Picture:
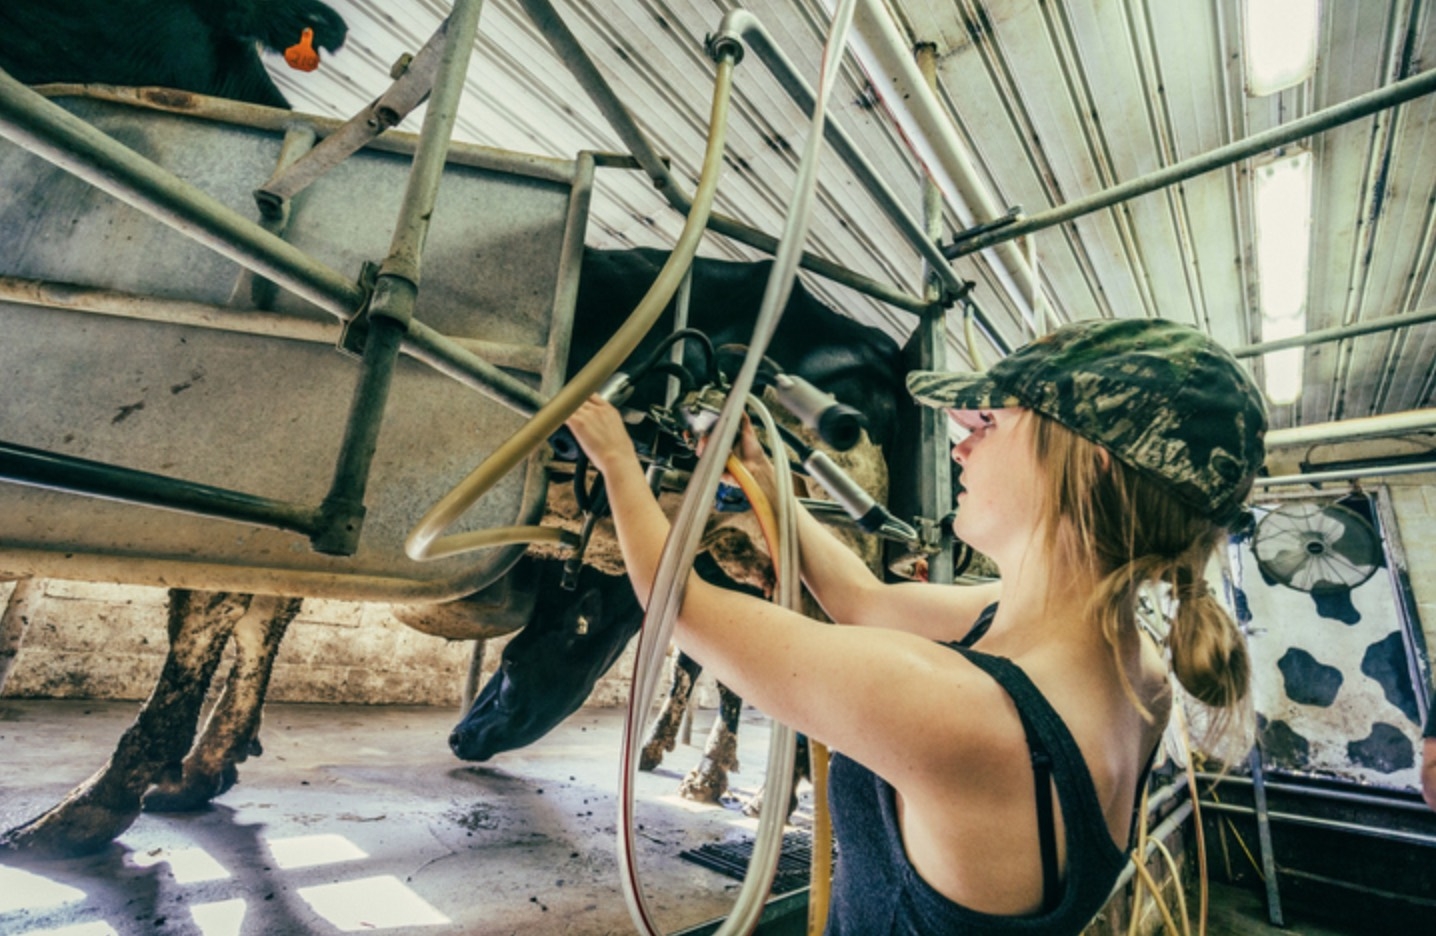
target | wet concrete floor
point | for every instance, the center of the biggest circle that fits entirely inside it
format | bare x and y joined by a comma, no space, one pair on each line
359,819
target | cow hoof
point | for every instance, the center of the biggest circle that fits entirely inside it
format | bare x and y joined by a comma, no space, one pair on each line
652,754
706,783
192,794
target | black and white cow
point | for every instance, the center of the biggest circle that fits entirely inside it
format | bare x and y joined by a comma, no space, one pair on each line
531,692
205,46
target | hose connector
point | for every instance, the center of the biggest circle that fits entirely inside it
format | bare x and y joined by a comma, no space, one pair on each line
836,423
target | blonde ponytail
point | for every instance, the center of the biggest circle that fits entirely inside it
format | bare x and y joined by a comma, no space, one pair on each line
1127,532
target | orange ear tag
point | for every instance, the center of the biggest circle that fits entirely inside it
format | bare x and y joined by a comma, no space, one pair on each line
302,55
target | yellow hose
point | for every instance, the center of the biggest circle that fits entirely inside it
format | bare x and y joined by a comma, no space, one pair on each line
820,876
422,542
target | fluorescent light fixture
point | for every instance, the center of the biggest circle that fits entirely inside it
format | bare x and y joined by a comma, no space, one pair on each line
21,890
1281,199
1279,39
307,851
371,904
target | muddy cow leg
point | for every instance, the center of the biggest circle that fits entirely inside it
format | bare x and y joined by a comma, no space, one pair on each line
102,807
663,733
707,782
802,770
231,735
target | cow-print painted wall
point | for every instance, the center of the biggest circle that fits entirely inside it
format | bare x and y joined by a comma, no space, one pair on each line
1331,679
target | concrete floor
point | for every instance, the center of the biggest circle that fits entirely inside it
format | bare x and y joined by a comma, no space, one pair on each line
360,818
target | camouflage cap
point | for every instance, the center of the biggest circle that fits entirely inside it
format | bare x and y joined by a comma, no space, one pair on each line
1161,396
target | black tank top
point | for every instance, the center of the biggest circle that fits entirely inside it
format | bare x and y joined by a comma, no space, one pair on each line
877,891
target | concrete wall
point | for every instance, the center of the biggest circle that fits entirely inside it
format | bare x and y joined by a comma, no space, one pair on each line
89,641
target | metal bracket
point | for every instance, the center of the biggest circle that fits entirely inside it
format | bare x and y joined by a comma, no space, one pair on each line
355,331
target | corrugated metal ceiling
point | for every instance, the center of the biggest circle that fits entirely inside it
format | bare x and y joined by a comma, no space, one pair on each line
1052,101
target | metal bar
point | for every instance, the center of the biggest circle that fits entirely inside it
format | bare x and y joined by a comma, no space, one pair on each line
342,511
1268,857
1332,825
53,133
748,26
38,468
70,297
448,356
406,93
1340,796
391,308
1351,430
1354,109
929,347
1345,474
581,65
1324,335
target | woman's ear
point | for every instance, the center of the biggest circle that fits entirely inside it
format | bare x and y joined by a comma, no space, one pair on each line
1104,458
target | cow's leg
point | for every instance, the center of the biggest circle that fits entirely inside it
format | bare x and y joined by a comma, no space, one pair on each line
707,782
102,807
231,735
14,622
802,770
663,733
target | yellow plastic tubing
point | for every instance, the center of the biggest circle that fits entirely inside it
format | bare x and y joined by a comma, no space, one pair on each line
424,542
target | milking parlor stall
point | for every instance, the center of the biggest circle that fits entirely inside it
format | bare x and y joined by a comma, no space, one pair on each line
313,620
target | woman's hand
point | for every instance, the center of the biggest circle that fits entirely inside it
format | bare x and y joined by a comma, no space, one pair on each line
601,432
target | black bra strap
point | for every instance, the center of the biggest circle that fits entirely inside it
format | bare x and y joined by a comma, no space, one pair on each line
1046,826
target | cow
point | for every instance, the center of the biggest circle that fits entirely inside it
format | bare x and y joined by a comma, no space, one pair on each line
859,365
546,675
205,46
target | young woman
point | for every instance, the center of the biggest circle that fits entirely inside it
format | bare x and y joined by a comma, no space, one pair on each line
991,741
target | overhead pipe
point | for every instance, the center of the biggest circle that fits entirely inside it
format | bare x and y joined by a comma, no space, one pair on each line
1346,474
740,23
886,56
582,66
1352,430
1358,107
1323,335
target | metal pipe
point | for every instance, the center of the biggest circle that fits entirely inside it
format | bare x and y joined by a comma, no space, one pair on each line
1346,112
391,307
581,65
341,514
1324,335
1162,832
1351,430
1345,474
406,248
56,472
886,57
742,23
1268,855
449,356
422,342
1340,796
1331,825
53,133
